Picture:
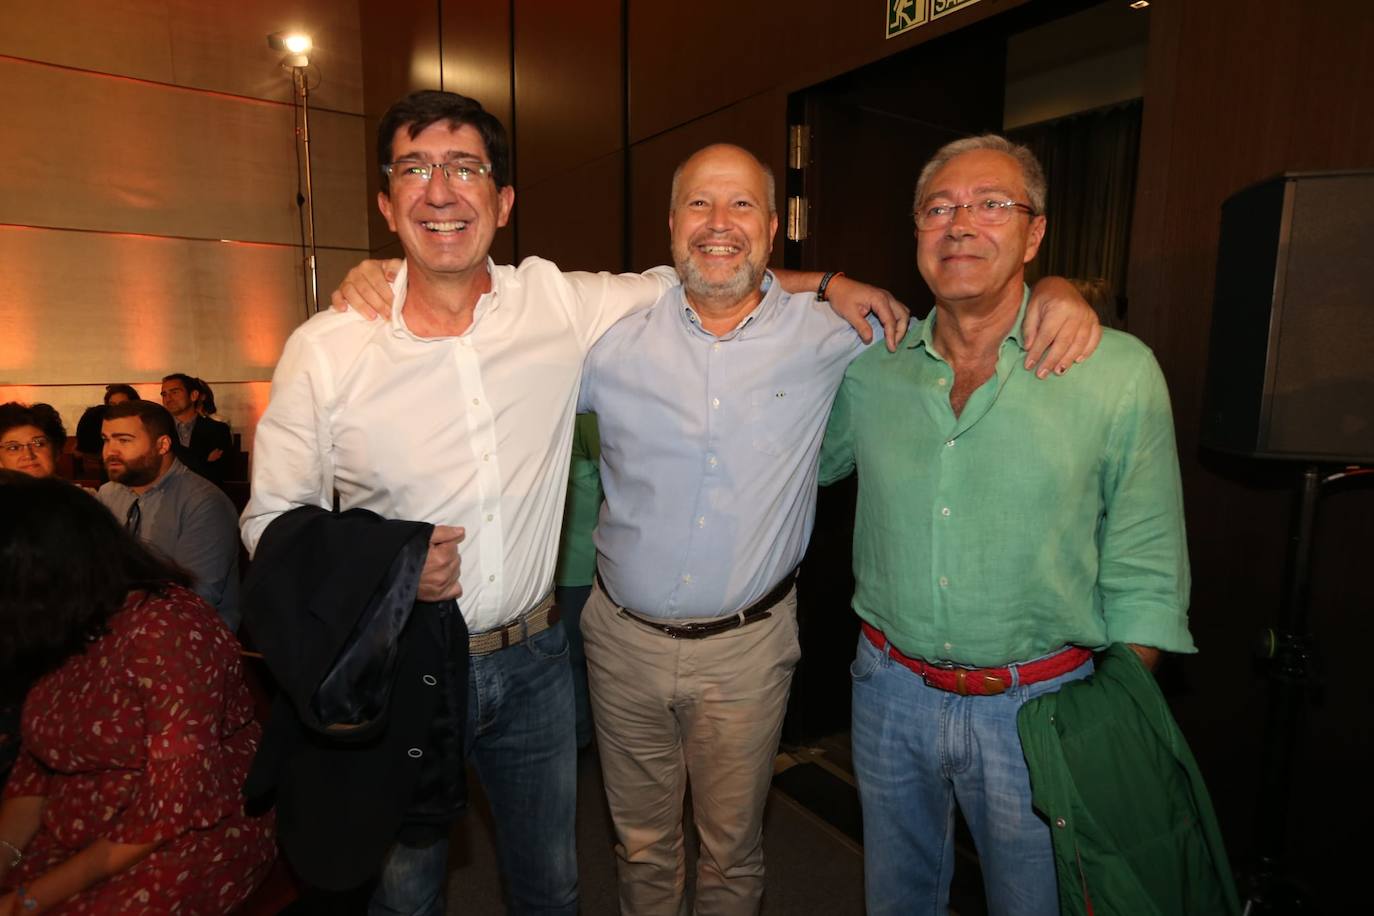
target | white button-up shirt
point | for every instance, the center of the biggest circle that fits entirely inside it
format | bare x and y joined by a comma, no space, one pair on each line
473,430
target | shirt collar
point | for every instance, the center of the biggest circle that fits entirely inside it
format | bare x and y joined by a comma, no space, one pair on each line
925,338
772,294
176,470
486,303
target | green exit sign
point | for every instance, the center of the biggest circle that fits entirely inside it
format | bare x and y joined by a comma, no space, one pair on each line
905,15
940,8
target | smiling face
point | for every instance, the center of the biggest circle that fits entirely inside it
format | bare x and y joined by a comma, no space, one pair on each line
445,227
722,225
967,263
20,453
178,401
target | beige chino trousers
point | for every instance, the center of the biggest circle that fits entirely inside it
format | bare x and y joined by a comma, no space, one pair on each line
669,711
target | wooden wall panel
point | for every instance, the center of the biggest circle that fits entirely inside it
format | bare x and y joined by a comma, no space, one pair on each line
401,54
85,308
476,53
685,66
120,306
216,46
569,97
127,37
477,59
758,124
124,156
574,219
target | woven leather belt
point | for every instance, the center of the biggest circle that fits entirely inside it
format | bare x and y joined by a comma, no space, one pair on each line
534,621
759,610
980,682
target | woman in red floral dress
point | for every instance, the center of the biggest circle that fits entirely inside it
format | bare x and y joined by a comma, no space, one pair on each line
137,726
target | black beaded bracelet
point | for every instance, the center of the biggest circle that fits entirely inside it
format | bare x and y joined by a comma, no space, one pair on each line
825,282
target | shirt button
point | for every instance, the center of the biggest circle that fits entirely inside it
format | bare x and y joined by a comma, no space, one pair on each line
940,382
949,443
491,578
486,457
715,346
715,402
415,753
430,679
490,516
945,511
701,521
711,460
686,578
944,582
1060,823
475,402
948,646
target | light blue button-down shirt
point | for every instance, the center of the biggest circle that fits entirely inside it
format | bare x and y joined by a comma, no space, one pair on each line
709,448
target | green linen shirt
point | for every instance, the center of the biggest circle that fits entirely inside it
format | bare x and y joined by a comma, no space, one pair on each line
576,552
1048,513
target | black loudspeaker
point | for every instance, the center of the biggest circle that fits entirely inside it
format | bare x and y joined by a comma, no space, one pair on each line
1291,370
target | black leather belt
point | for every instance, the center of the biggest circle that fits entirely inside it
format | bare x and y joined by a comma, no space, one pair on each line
759,610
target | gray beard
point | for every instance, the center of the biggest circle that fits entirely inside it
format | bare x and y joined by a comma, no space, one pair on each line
740,284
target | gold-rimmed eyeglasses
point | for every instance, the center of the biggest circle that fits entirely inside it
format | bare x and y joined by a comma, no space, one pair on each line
989,212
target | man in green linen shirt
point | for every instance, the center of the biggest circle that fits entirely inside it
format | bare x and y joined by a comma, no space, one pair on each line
1003,530
576,569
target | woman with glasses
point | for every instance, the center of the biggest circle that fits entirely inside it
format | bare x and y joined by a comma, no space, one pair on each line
31,438
138,728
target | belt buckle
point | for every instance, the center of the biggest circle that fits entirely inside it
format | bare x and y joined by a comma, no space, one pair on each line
992,685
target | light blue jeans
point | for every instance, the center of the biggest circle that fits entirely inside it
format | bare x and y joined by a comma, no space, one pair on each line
521,738
918,751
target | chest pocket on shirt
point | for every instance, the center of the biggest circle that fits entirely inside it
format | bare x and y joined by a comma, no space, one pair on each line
771,417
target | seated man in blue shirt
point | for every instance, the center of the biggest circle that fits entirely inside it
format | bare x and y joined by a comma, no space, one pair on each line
162,503
711,406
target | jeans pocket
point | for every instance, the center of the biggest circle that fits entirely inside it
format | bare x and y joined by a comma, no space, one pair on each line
550,645
866,661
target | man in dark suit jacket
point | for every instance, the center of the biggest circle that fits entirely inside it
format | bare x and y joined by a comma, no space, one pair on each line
205,445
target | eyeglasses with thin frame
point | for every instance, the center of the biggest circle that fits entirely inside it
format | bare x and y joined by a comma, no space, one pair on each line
416,171
989,212
35,445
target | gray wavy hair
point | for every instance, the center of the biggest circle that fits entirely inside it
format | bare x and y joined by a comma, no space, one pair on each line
1031,172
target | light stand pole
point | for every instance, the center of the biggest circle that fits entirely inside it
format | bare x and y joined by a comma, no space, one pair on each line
302,87
298,46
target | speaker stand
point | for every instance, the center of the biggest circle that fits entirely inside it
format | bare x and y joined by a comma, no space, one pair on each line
1268,887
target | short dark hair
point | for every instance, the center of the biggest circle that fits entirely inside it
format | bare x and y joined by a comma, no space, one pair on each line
43,416
156,420
67,565
207,394
127,390
186,380
428,106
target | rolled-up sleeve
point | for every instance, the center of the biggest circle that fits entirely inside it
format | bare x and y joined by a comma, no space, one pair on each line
1143,573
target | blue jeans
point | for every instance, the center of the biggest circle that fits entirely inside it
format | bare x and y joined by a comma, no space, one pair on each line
570,600
521,739
918,751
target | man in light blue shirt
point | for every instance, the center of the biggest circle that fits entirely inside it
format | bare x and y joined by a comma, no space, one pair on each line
712,405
